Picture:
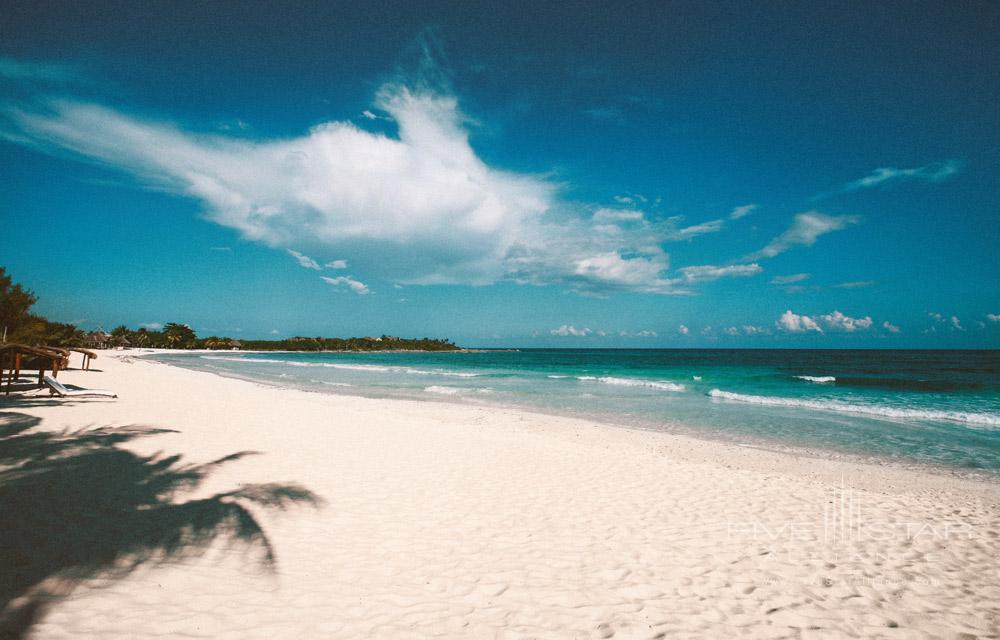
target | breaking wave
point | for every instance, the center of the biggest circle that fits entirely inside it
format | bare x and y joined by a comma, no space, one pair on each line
634,382
451,391
964,417
352,367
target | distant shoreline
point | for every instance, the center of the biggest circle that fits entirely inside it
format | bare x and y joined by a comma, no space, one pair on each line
145,351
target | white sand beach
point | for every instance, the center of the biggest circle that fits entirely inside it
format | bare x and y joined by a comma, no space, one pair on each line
449,521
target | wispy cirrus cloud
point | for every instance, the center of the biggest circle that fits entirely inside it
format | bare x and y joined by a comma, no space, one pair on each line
693,231
790,279
350,283
742,211
711,226
304,260
708,273
885,176
806,228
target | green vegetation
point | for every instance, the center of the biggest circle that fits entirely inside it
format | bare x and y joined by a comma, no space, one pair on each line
27,328
23,326
382,343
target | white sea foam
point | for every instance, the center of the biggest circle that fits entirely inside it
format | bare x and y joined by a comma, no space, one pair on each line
554,377
346,367
696,378
634,382
818,379
974,419
451,391
351,367
334,384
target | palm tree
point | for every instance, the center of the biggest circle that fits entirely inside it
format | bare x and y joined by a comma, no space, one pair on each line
179,335
87,508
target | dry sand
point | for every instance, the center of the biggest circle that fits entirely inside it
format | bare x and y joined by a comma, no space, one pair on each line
452,521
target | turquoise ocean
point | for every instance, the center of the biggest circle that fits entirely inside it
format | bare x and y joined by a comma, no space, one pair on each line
919,408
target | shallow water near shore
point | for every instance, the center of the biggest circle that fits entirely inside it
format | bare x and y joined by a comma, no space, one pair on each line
939,408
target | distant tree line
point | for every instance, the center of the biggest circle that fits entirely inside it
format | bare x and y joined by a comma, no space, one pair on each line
381,343
25,327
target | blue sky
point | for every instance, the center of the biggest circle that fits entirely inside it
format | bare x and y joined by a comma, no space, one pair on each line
532,174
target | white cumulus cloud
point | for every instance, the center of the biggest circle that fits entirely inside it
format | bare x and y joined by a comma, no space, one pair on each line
420,207
836,321
336,264
839,322
752,330
570,330
795,323
645,333
683,330
891,328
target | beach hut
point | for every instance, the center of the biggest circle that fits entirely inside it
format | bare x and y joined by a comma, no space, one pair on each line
15,358
235,345
97,340
121,342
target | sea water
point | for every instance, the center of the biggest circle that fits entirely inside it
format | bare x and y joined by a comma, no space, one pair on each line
939,408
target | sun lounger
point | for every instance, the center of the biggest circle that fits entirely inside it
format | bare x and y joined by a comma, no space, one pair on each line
64,391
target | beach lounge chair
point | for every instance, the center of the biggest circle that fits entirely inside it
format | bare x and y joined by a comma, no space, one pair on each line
65,392
15,358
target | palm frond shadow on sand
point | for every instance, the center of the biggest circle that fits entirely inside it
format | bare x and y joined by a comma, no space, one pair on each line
74,505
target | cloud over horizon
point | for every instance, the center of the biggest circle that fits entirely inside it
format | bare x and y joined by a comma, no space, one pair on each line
792,322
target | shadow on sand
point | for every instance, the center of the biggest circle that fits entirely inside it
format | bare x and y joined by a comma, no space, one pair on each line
74,505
